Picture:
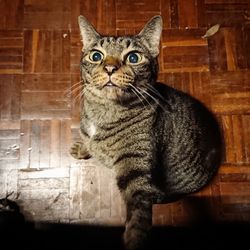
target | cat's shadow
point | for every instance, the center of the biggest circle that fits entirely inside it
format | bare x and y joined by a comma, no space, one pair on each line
200,210
203,231
203,228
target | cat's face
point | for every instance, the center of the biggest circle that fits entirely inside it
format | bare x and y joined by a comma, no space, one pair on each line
119,68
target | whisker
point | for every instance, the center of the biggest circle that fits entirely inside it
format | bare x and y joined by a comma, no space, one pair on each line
155,91
80,87
77,83
78,97
74,85
81,96
72,88
75,99
141,100
153,98
143,97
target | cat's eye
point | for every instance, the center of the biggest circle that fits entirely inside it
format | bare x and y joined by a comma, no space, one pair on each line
96,56
134,58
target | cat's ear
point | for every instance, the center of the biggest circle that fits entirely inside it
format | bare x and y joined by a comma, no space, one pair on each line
151,35
88,32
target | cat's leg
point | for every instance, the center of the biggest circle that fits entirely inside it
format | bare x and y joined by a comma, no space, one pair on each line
79,151
139,195
138,222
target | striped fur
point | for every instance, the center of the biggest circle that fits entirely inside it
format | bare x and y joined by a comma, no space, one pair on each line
162,143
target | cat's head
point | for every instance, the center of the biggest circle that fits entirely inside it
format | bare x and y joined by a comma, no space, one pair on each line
120,68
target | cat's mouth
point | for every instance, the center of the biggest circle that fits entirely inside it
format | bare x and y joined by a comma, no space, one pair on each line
110,84
114,91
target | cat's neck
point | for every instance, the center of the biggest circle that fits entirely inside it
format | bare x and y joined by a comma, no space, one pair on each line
111,112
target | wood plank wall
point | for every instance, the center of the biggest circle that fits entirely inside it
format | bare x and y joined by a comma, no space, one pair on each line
39,118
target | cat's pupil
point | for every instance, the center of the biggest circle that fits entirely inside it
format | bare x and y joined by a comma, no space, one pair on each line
133,58
96,56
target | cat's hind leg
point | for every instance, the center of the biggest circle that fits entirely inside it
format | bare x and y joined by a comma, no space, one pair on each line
79,151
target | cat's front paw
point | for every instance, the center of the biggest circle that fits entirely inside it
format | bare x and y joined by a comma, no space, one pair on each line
78,151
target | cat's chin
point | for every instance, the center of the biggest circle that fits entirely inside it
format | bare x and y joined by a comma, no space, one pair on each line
116,94
113,93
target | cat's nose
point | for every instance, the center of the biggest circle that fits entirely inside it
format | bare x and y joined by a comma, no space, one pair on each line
110,69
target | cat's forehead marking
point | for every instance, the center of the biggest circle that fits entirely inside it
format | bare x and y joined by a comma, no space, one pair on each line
115,42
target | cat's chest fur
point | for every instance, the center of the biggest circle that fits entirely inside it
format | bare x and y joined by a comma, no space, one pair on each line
91,129
117,132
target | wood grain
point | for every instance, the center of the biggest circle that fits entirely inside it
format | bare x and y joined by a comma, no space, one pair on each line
10,98
45,144
11,13
11,51
46,15
46,51
184,51
45,96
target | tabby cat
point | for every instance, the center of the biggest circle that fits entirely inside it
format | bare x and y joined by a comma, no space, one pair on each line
161,143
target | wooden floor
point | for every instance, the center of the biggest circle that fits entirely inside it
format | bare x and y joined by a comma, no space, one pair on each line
39,116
